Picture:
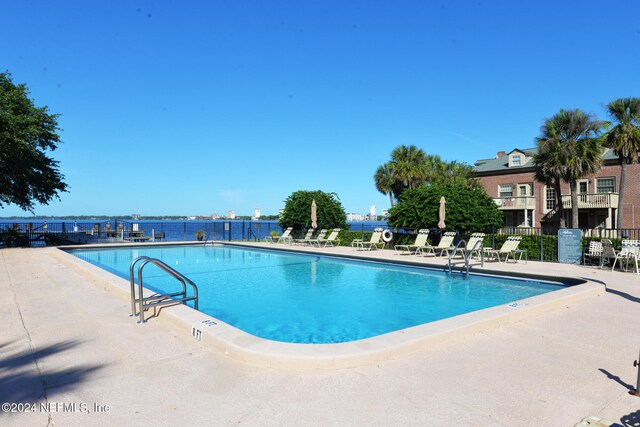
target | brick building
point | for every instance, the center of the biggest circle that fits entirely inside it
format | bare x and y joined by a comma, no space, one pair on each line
509,179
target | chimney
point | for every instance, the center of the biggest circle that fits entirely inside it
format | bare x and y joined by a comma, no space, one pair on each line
501,154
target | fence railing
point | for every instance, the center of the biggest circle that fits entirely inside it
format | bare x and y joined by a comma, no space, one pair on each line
592,200
541,243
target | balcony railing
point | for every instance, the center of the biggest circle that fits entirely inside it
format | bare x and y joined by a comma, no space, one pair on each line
516,202
592,201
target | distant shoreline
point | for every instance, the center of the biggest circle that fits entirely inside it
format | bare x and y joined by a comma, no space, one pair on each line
131,218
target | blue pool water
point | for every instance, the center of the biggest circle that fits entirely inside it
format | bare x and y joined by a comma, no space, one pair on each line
303,298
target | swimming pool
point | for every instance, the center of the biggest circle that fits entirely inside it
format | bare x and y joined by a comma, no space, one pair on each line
304,298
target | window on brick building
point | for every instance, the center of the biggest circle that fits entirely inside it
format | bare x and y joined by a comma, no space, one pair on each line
605,185
550,198
505,190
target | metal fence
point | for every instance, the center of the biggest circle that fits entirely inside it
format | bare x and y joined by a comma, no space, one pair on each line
540,243
43,233
67,232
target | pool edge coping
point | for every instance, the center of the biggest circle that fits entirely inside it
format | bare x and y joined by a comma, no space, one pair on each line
245,347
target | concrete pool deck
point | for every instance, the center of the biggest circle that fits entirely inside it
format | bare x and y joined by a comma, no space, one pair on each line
67,339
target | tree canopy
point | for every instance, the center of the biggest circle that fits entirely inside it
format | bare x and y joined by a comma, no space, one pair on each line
467,208
27,135
297,210
411,167
568,149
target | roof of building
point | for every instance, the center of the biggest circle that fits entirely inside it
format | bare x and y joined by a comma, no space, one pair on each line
498,164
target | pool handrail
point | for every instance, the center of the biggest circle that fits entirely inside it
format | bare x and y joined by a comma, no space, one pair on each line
159,299
467,255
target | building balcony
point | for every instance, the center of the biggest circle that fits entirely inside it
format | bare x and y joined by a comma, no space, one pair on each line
516,202
592,201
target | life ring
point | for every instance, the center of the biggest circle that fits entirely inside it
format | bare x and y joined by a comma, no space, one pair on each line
387,235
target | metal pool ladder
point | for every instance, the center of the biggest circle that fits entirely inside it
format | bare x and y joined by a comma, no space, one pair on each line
467,256
158,300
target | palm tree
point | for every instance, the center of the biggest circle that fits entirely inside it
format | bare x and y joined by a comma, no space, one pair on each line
549,166
624,139
571,150
385,180
409,165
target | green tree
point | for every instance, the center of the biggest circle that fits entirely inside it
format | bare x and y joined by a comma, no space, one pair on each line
548,168
297,210
450,172
571,139
624,139
385,180
410,165
468,208
27,134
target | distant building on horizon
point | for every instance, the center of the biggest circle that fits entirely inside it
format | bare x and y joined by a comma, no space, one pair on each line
231,214
256,214
356,217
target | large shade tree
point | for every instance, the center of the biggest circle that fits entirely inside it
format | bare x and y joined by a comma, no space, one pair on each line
571,143
468,208
27,135
624,139
297,210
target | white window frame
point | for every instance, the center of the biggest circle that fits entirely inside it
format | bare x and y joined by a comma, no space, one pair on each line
505,186
547,199
612,178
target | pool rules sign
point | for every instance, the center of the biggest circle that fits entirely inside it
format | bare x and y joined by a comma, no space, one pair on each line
569,245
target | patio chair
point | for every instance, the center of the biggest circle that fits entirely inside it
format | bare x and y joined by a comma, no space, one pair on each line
421,242
286,236
474,245
629,252
373,243
318,238
305,240
608,252
591,252
508,248
332,240
444,246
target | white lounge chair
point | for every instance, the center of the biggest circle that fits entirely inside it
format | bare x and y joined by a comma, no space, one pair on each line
276,239
320,236
286,236
332,240
307,238
373,243
421,242
474,245
444,246
508,247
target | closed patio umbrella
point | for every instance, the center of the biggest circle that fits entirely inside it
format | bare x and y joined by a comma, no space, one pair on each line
314,215
441,213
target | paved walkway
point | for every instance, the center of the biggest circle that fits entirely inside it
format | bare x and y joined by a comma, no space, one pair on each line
67,340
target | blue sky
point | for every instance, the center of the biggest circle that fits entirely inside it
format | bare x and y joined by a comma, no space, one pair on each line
186,108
